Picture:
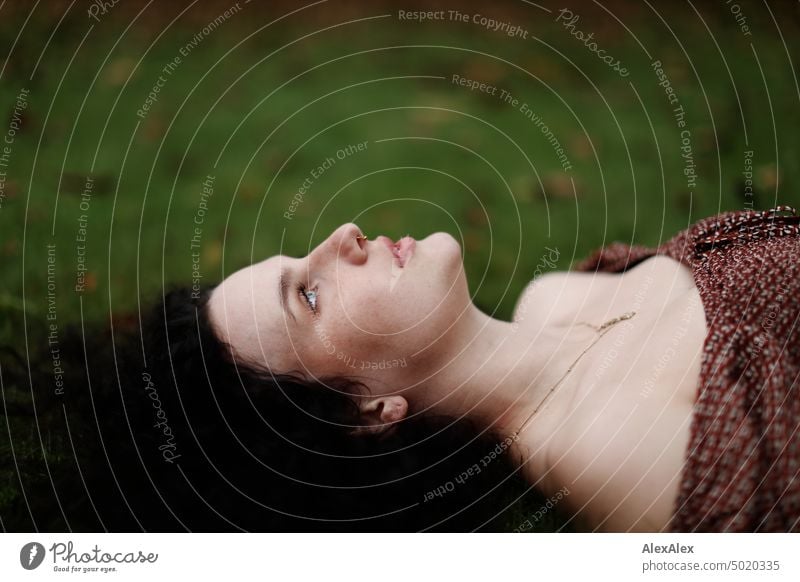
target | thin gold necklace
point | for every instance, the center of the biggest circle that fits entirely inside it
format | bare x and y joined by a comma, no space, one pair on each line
602,330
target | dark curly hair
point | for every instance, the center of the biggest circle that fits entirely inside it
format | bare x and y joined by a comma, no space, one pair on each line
158,429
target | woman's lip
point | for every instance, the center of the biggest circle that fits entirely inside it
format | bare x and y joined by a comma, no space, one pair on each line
401,250
406,249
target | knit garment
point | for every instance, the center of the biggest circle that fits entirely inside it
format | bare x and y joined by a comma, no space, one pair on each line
742,464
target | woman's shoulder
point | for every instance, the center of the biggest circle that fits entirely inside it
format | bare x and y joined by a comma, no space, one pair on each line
696,240
614,258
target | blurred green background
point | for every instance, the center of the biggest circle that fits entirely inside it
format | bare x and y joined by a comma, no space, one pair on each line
258,104
263,96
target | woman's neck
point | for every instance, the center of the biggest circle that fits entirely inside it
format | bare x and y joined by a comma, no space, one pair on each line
496,372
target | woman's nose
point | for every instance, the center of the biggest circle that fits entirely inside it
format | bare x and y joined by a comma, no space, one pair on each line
344,244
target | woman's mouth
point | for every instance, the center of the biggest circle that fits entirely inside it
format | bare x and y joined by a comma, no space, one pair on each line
401,250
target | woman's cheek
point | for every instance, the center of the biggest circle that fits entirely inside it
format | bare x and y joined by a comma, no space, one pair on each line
369,312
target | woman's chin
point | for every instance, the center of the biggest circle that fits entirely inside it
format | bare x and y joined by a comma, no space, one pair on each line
443,247
444,267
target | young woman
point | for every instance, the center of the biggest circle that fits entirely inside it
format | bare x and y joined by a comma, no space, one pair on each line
658,387
359,388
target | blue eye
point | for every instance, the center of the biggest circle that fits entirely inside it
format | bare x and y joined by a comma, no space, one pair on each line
309,296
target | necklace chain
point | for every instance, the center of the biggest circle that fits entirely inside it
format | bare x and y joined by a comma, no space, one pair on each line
602,330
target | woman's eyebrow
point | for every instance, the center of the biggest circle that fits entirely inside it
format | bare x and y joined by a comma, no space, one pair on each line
283,290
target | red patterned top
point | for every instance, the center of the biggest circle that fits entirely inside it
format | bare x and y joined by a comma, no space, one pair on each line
742,465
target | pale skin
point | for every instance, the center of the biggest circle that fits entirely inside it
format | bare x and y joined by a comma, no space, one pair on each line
615,430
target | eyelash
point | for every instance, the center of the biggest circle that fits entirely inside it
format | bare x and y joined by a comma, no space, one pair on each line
302,290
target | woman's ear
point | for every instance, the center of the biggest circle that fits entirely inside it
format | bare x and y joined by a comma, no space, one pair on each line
380,415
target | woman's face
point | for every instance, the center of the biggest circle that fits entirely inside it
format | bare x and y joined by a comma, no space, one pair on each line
351,308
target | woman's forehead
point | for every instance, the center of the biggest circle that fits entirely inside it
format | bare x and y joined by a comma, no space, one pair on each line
245,310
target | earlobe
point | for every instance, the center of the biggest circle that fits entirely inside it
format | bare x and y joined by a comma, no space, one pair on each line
394,409
380,414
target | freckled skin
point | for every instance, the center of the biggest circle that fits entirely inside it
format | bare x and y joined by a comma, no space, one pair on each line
369,309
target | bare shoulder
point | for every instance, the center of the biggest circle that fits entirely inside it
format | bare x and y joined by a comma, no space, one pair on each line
541,296
554,287
619,426
556,294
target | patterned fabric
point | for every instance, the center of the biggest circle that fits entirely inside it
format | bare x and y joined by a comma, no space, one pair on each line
742,465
